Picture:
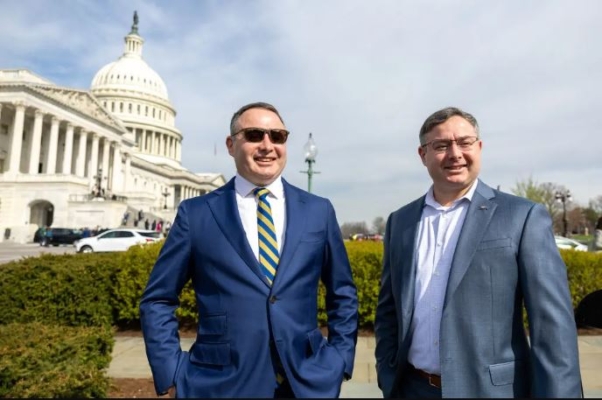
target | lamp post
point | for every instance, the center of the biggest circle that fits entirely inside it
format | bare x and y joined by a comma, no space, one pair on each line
165,193
311,151
564,197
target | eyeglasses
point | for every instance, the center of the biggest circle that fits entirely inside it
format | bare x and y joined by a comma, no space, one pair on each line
255,135
442,145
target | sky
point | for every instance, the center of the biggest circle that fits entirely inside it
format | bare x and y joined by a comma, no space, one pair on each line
361,76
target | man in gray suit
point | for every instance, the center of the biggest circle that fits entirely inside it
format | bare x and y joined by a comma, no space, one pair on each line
459,264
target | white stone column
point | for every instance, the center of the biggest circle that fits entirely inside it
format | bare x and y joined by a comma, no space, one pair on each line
16,142
162,140
127,172
179,151
36,142
105,156
142,140
116,180
80,166
153,149
93,168
53,145
68,156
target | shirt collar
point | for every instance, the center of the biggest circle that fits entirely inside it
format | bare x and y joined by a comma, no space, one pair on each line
245,188
430,198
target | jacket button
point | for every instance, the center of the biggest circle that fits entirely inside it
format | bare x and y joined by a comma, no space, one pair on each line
273,299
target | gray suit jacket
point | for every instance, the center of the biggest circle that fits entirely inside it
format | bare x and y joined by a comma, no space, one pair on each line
506,255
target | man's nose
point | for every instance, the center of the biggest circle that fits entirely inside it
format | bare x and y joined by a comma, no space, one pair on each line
266,142
454,150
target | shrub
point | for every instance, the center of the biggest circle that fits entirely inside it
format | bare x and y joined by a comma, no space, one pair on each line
44,361
584,271
131,279
72,290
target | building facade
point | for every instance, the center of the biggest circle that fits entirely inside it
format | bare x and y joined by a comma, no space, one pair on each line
78,158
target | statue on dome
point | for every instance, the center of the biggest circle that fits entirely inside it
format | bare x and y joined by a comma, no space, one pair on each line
135,25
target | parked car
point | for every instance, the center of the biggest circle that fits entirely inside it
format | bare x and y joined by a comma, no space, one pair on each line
116,240
57,236
566,243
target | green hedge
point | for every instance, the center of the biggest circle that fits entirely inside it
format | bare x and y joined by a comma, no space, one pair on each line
584,271
46,361
105,289
72,290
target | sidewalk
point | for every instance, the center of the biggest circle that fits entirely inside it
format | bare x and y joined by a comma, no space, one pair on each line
129,361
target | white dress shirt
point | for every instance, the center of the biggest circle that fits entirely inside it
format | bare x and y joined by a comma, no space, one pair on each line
247,209
438,234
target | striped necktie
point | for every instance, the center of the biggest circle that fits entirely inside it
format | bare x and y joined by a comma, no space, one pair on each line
268,244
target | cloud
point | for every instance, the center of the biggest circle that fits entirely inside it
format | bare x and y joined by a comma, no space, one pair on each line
361,76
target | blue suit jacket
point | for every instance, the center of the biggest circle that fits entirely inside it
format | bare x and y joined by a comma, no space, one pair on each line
240,315
506,255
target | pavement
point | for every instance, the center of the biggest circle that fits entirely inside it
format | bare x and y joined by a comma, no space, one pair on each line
129,361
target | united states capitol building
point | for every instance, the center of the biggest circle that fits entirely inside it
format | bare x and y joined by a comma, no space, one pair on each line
84,158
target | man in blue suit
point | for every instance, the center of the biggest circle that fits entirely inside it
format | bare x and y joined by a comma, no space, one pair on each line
255,258
459,264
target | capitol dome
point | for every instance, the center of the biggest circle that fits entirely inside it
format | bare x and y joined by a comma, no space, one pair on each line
135,94
130,72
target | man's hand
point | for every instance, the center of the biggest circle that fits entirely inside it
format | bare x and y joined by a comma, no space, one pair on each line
171,393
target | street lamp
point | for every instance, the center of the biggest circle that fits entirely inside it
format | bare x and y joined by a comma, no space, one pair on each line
564,197
311,151
165,193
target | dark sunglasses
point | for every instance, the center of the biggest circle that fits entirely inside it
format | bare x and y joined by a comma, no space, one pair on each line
255,135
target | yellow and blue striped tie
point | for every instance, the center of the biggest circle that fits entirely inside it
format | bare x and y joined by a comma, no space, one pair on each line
268,244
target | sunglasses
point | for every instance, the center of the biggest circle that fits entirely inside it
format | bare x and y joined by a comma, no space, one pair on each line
255,135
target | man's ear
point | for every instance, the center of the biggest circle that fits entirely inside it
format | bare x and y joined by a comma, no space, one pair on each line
230,144
422,154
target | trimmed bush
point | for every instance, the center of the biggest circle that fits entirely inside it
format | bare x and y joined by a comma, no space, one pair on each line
584,273
44,361
72,290
131,279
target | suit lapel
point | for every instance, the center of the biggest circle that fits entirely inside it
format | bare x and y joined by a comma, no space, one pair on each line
409,230
477,220
225,211
296,203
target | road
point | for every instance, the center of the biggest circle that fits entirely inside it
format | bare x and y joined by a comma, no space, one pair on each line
15,251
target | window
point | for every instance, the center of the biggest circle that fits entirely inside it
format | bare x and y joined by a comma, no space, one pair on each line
124,234
150,234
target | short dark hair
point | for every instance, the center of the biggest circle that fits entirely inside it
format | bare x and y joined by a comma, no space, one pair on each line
258,104
439,117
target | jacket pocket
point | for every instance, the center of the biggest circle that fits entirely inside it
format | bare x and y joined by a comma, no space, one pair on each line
211,353
494,244
504,373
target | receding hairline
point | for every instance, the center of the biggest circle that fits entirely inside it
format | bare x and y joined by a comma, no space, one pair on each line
259,104
441,116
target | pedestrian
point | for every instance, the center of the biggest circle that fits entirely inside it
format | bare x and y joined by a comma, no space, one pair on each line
255,249
167,227
154,225
458,265
146,224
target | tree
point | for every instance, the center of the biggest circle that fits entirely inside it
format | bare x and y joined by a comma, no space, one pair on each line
378,225
350,228
543,193
596,205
